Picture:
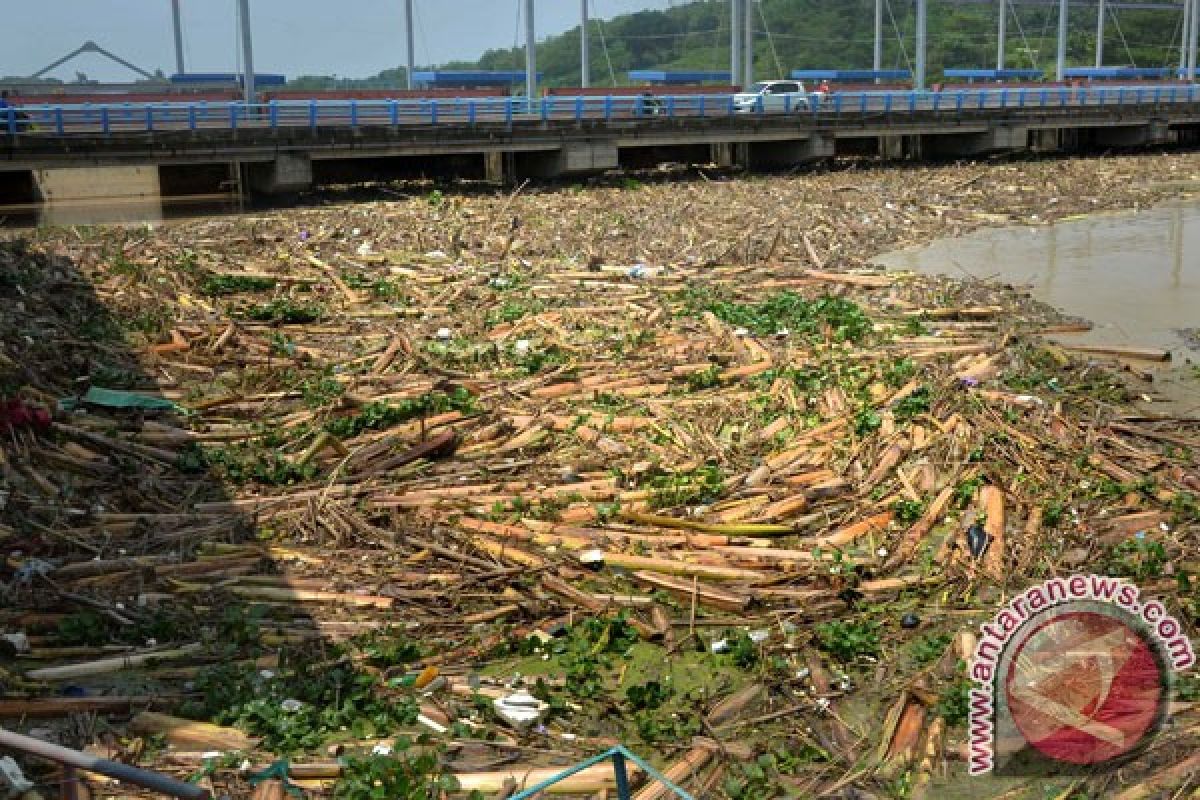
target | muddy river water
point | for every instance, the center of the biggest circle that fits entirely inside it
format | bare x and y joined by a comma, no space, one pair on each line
1135,276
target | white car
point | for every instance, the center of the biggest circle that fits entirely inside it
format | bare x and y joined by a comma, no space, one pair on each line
772,97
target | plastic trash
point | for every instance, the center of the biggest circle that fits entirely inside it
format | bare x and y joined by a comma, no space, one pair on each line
978,540
116,398
520,709
12,779
910,621
18,641
445,334
15,415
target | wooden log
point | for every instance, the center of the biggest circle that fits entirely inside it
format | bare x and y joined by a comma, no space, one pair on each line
704,593
284,595
189,733
670,566
692,762
851,533
1135,353
599,778
732,707
108,665
736,529
920,529
269,790
887,462
45,707
557,586
995,559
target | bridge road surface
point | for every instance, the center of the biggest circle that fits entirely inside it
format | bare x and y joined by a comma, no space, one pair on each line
101,120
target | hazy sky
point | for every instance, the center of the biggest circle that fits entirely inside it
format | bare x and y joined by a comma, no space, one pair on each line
352,38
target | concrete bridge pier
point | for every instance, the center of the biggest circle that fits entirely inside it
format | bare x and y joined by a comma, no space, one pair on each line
571,160
1155,132
73,184
790,152
1003,139
288,173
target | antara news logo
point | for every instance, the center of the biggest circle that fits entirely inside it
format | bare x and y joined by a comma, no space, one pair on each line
1074,674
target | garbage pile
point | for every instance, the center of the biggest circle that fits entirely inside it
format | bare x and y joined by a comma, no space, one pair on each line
441,496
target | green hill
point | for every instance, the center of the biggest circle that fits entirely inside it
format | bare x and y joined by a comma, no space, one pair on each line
813,34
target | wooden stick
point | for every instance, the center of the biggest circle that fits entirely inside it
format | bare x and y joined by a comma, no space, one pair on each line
107,665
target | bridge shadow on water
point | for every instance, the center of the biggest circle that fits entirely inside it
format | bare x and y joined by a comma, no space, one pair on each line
137,590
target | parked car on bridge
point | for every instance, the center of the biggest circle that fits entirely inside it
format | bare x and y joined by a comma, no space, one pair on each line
772,96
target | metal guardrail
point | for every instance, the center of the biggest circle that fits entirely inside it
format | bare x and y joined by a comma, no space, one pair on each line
126,118
619,756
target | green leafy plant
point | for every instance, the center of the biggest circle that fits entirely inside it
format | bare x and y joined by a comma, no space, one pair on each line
930,648
405,774
899,372
849,641
867,421
648,696
383,415
708,378
954,701
284,310
700,486
836,317
913,405
215,285
1139,559
300,707
388,647
908,511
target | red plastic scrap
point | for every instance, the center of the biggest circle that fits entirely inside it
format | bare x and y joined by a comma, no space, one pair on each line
16,415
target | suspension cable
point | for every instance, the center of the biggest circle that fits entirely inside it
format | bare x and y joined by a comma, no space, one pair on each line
899,39
762,14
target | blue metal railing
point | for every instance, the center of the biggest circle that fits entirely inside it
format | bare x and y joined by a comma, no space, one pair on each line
125,118
619,756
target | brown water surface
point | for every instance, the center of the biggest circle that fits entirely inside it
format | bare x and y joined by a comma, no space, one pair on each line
1135,276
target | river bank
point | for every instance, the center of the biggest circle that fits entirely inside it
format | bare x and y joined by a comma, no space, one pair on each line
670,456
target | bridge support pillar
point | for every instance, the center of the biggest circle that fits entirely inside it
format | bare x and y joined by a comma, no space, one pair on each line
1156,132
891,148
287,174
575,158
97,183
494,167
1003,139
1047,140
768,155
724,154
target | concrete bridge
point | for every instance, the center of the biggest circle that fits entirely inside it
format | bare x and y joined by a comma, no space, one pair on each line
91,152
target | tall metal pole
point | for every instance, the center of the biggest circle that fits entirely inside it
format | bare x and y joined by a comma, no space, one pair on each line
922,43
748,43
736,18
410,55
1002,35
1061,68
585,56
1193,41
877,61
178,37
247,51
530,53
1100,33
1187,32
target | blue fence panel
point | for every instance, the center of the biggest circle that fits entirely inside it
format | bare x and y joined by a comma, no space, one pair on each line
618,755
